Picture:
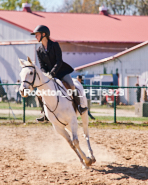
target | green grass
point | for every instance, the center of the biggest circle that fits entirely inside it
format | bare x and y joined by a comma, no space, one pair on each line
126,107
103,125
103,121
92,124
29,123
5,105
18,117
121,119
122,107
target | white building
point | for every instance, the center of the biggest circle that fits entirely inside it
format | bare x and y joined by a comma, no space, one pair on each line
9,54
131,66
84,38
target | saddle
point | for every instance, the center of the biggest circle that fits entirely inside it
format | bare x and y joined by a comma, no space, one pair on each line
67,86
62,83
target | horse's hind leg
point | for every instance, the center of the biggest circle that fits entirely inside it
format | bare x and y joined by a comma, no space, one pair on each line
65,134
84,117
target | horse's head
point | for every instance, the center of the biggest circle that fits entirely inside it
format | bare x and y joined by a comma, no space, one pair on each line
28,76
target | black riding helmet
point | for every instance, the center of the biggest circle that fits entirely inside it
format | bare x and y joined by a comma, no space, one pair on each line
42,29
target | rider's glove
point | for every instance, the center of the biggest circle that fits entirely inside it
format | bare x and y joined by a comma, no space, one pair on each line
53,74
48,75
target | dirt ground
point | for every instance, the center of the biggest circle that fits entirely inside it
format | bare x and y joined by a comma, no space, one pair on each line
37,155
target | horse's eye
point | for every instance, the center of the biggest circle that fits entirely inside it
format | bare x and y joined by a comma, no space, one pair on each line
31,73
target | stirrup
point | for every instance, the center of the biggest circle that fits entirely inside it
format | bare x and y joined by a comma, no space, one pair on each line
81,109
44,118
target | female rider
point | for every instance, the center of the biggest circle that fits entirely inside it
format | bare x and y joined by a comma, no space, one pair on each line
50,59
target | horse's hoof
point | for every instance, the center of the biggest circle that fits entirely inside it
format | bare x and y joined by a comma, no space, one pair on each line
93,160
84,167
89,163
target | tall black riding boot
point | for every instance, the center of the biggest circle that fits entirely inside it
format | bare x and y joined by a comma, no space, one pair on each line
76,99
43,118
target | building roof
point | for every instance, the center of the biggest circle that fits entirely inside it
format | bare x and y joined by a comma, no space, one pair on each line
112,57
70,27
18,42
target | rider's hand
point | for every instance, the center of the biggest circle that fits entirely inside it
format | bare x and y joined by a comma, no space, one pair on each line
48,75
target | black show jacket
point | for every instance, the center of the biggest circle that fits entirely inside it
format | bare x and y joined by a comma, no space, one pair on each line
51,60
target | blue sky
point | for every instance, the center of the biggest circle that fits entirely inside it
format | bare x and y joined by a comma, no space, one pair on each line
51,5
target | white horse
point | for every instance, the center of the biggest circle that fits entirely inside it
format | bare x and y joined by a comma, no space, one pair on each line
59,110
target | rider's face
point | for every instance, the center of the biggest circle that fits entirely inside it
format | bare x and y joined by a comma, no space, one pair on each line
38,36
80,80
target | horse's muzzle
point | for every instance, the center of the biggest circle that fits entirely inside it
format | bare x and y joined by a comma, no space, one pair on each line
22,93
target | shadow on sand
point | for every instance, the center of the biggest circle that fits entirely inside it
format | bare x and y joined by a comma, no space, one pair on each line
134,171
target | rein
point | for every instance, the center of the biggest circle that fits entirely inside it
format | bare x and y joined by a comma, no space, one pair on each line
32,83
57,103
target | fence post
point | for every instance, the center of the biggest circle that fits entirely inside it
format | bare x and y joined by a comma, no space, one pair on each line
114,108
23,110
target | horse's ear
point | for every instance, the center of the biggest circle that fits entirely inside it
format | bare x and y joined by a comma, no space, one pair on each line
33,62
29,60
21,62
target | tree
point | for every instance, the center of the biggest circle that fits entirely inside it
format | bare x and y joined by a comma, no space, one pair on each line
80,6
120,7
90,6
9,4
67,6
13,4
142,7
116,7
77,6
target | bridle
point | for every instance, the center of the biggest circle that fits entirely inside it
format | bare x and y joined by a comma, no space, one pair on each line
34,77
32,84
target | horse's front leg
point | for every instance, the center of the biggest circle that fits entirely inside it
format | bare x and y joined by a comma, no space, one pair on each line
74,126
84,117
65,134
88,161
